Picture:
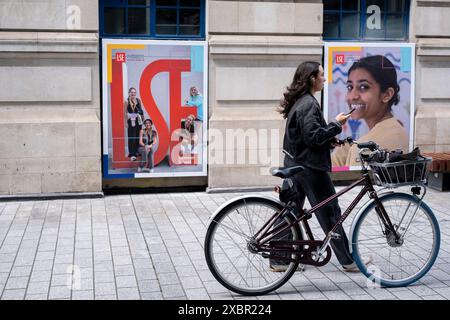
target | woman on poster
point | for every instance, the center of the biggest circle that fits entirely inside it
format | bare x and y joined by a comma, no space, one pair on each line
372,90
196,99
148,138
133,122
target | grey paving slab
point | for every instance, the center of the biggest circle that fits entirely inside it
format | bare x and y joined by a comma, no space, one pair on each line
62,268
85,283
126,281
128,294
40,296
14,294
107,288
21,271
59,292
149,286
124,270
4,277
145,274
106,265
151,296
191,282
122,260
106,297
422,290
172,291
60,279
362,297
104,276
38,276
17,283
38,288
82,295
168,278
444,292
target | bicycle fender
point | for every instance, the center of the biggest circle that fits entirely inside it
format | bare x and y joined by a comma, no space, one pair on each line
359,213
239,198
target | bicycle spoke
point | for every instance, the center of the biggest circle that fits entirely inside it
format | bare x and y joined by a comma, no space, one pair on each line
235,231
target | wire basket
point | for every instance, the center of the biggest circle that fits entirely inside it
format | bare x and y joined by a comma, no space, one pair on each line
402,173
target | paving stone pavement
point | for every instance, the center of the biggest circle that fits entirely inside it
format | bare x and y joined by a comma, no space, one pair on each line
150,246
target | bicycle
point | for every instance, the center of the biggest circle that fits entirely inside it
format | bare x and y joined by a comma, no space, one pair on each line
399,230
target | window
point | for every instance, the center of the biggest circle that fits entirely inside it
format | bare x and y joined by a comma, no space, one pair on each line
152,18
366,19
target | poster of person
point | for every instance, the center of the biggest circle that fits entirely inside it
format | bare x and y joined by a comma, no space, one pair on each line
375,82
154,108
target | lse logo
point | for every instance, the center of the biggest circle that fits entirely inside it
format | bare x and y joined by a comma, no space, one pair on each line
340,59
121,57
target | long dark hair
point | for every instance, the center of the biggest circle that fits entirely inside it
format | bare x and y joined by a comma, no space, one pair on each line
384,73
301,84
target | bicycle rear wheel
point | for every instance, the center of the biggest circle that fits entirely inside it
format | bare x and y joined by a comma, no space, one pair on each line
397,263
228,252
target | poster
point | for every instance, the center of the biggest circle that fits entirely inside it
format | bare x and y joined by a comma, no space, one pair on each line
154,108
376,81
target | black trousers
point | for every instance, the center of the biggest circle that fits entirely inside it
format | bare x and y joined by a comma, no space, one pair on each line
133,140
317,186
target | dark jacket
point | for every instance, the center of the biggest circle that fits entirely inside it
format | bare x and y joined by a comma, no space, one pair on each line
307,136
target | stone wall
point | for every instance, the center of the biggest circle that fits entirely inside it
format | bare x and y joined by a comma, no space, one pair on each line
50,97
253,54
430,29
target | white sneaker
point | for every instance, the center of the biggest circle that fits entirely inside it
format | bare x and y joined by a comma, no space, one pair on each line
133,158
353,267
139,169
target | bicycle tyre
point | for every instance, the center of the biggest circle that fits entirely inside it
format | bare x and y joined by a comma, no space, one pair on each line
232,264
397,264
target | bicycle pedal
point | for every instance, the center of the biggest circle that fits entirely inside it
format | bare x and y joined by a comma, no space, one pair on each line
335,236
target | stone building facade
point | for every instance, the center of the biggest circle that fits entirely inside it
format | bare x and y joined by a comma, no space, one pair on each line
50,118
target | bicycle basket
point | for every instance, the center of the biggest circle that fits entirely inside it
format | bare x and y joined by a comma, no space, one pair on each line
401,173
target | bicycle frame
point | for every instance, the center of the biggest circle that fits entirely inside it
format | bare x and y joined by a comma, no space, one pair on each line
263,236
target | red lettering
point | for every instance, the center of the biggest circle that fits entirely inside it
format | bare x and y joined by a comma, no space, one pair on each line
176,110
117,117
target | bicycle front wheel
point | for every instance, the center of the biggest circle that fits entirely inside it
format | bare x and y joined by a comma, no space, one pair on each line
397,263
228,251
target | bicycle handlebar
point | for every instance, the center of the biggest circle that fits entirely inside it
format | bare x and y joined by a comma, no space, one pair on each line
376,153
372,146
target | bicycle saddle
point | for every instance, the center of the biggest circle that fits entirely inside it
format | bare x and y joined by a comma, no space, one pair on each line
286,172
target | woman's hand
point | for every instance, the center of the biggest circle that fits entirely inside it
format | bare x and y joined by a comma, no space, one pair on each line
342,118
335,143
